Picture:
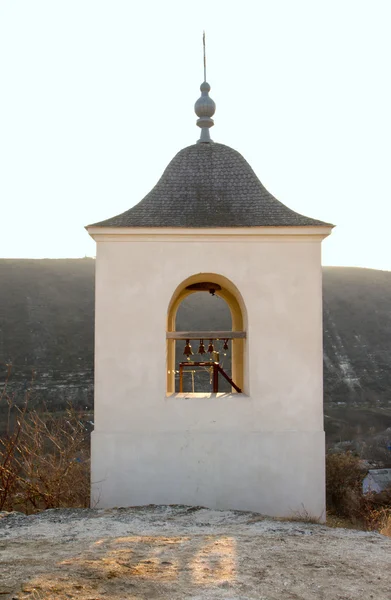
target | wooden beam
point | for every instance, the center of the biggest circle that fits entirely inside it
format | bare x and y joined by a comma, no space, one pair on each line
224,374
205,335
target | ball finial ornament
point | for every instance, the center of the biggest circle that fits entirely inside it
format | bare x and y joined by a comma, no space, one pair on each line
205,109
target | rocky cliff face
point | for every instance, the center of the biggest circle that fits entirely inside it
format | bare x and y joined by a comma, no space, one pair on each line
357,335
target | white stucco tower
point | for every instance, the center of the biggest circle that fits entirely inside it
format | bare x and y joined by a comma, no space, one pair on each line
209,224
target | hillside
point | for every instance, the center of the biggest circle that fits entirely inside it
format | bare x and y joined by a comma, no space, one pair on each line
357,334
47,316
47,325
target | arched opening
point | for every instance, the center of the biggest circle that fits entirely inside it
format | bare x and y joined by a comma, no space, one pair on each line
206,336
202,311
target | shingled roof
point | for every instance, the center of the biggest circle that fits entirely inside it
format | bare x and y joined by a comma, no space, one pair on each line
209,185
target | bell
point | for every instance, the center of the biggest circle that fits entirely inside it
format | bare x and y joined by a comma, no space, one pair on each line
188,351
225,347
211,348
201,348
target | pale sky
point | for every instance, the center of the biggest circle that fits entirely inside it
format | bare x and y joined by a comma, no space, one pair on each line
97,97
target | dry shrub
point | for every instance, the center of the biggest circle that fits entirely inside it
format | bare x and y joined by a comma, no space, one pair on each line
53,461
385,524
344,477
379,519
377,514
44,459
8,445
345,498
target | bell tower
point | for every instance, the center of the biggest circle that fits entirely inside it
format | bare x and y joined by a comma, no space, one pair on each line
209,225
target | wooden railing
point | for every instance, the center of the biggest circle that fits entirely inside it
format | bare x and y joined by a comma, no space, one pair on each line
217,368
205,335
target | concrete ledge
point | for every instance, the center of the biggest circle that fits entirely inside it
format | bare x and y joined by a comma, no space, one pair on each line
219,395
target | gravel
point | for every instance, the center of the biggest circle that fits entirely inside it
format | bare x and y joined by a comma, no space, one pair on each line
178,552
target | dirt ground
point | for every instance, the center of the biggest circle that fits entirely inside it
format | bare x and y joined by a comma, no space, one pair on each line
177,552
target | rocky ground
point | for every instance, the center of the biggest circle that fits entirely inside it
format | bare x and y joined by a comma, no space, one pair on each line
178,552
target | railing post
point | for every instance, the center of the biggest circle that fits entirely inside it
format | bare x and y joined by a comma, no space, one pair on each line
215,379
181,379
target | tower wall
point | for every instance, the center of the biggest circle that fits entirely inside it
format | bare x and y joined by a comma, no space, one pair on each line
262,450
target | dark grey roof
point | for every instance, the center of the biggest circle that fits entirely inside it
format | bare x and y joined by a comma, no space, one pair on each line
209,185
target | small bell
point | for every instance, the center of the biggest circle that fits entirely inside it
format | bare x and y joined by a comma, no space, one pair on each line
211,348
225,347
188,351
201,348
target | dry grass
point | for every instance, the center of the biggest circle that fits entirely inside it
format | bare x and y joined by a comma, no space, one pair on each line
380,520
386,525
302,516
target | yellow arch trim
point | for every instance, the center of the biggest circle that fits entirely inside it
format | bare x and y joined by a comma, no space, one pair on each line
230,293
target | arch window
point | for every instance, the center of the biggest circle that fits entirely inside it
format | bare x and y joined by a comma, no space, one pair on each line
206,337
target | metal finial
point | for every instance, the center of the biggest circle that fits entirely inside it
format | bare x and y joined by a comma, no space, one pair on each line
205,107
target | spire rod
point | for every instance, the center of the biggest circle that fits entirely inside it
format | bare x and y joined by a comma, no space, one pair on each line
205,107
204,45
